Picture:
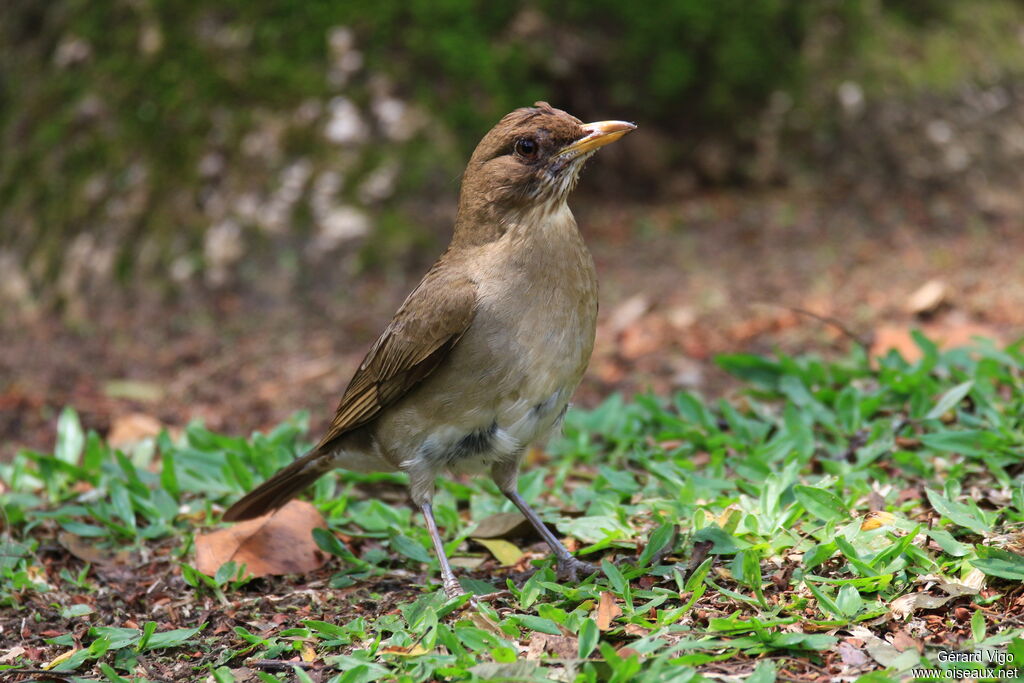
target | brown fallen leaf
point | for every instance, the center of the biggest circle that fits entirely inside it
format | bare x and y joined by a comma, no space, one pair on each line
89,551
132,428
901,640
503,525
607,610
559,647
278,543
954,332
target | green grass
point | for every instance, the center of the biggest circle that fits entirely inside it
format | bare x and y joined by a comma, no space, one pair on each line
732,536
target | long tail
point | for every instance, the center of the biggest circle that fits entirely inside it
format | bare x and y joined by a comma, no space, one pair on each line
280,488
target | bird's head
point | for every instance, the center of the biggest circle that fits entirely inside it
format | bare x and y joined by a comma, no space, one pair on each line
531,159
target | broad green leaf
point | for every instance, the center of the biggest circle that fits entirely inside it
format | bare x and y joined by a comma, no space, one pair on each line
949,400
998,562
958,513
821,503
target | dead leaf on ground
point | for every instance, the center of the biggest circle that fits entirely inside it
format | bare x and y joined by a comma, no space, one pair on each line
901,640
852,656
90,551
881,651
414,650
134,390
876,519
607,611
506,553
560,647
279,543
628,312
948,334
132,428
503,525
927,298
464,562
905,605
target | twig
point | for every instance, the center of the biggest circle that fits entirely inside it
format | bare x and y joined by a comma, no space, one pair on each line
278,665
864,342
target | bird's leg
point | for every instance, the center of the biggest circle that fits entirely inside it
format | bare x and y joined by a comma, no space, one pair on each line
451,585
569,568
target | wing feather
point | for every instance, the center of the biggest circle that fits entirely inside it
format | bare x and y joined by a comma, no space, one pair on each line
419,338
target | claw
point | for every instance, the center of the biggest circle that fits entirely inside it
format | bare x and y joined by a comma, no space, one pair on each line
571,569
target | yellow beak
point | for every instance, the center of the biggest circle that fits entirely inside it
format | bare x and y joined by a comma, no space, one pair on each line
597,135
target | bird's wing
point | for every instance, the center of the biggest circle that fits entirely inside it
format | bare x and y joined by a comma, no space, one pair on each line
429,323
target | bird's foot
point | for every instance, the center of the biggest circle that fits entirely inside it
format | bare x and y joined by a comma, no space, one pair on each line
571,569
452,588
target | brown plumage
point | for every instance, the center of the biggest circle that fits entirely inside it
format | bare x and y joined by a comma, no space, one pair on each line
482,357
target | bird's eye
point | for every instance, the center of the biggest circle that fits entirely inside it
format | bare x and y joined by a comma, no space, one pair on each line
526,148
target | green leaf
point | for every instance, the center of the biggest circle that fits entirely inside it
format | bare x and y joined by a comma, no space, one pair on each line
848,600
588,637
978,626
411,549
70,438
958,513
965,442
173,638
615,578
764,672
329,543
949,400
998,562
148,629
823,504
661,537
751,368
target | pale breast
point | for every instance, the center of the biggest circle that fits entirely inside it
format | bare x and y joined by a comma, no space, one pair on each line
510,377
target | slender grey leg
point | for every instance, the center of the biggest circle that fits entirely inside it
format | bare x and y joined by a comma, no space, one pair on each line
451,585
569,568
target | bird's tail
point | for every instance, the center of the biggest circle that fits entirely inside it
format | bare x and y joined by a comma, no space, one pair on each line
280,488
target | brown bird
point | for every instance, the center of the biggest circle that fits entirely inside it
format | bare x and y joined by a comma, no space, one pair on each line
482,357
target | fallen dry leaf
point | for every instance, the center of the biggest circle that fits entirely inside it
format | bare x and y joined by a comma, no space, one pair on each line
414,650
881,651
927,298
466,562
952,333
89,551
506,553
876,520
905,605
852,656
607,610
279,543
60,658
502,525
628,312
560,647
901,640
132,428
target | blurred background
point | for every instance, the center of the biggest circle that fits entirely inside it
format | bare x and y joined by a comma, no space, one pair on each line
209,210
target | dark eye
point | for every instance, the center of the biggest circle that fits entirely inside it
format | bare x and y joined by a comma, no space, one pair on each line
526,148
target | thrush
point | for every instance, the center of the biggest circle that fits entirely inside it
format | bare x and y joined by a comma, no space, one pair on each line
481,359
